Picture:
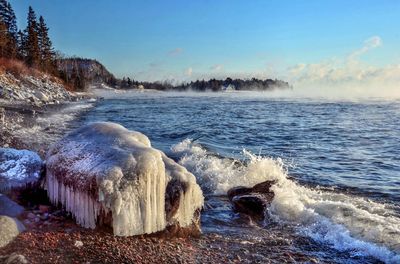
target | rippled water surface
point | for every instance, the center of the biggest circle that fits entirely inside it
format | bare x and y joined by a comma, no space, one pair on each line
337,162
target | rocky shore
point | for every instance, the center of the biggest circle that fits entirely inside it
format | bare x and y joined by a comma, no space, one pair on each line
51,235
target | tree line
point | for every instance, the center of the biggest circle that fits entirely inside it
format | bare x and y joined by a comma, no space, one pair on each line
33,45
207,85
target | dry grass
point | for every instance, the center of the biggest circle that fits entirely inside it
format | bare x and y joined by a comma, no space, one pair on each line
17,68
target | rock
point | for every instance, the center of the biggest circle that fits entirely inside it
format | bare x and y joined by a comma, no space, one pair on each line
2,115
31,215
13,258
18,168
78,244
44,208
252,201
9,208
41,96
9,229
105,174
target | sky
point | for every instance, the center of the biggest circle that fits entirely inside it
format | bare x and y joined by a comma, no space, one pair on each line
314,40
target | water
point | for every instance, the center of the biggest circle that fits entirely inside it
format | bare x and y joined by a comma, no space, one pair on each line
337,164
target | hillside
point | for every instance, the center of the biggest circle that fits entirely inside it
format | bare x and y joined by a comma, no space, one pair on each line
21,84
81,72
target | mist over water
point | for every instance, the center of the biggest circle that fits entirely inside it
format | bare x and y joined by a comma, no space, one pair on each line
336,162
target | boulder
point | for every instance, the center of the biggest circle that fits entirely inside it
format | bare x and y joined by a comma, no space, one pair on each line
18,168
252,201
9,208
9,229
41,96
105,174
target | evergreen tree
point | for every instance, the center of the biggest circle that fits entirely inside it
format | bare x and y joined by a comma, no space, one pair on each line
11,21
21,44
3,39
46,49
9,33
32,41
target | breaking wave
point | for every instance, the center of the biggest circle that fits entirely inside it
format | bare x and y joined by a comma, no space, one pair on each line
344,222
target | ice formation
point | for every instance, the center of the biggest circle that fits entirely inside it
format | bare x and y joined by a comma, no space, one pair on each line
104,170
18,168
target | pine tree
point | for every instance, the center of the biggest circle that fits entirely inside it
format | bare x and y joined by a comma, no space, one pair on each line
3,39
32,41
21,44
9,19
45,46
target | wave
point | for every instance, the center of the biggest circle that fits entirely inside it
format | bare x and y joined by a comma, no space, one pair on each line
344,222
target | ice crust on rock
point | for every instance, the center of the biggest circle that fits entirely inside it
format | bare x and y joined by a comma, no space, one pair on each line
18,168
104,169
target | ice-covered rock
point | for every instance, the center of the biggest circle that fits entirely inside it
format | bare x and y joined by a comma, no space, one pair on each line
9,229
18,168
105,173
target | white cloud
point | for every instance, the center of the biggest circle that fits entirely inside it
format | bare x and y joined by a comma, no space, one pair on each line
369,44
347,76
347,69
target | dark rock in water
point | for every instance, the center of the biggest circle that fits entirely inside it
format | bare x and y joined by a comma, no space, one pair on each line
105,174
18,168
252,201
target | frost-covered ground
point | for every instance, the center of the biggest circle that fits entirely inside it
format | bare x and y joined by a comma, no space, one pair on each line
36,128
35,90
36,109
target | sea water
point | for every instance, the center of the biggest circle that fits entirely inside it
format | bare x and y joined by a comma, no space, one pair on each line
336,163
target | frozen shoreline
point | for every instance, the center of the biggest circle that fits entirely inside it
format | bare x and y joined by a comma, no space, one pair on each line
24,126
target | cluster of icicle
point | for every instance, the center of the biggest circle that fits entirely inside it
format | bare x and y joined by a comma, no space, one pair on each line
132,185
84,208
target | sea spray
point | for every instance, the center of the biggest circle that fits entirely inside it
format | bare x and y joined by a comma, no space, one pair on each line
344,222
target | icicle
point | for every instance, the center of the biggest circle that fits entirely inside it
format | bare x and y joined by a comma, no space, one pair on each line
84,209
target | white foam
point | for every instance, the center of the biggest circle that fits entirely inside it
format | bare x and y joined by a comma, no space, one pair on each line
217,175
344,222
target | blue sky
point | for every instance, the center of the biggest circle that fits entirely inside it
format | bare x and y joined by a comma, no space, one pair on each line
183,40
